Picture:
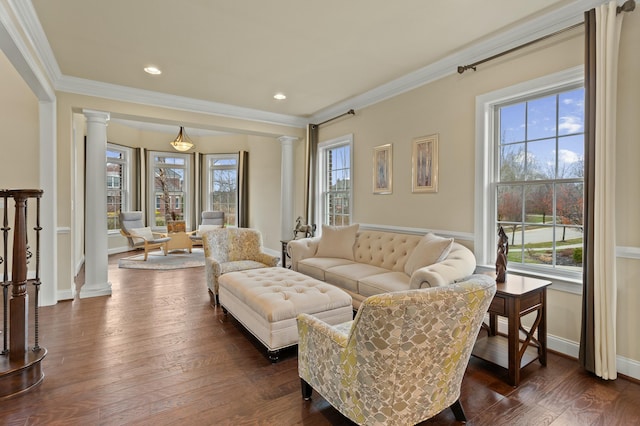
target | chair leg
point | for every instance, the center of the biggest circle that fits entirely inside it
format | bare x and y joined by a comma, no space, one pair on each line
306,390
458,412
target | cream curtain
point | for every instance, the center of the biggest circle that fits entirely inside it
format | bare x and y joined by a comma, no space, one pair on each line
603,283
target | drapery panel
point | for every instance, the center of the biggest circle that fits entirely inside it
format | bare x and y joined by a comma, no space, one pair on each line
243,189
311,169
598,335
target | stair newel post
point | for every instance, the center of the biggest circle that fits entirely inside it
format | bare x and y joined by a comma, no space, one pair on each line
18,305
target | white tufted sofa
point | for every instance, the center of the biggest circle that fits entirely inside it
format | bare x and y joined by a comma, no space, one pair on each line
379,264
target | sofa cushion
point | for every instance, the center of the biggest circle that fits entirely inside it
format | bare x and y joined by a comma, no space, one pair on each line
315,266
337,241
240,265
430,249
383,283
145,233
347,276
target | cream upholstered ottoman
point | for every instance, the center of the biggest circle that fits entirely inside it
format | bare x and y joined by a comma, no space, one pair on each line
266,301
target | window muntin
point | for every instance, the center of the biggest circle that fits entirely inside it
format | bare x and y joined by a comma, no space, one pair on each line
539,144
169,184
222,185
118,166
335,182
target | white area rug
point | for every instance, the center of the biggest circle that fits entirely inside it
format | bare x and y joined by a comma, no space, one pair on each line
176,259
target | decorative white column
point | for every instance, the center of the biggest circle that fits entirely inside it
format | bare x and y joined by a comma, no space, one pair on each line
96,248
286,185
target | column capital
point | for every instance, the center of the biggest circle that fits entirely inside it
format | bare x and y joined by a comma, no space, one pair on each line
96,116
288,140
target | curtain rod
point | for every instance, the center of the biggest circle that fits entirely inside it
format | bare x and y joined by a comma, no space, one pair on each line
350,112
627,6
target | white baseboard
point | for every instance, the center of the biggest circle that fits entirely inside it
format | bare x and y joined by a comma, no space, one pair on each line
66,294
625,366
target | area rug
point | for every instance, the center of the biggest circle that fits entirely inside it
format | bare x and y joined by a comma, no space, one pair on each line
176,259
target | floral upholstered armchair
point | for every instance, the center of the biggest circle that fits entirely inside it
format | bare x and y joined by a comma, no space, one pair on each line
232,249
403,357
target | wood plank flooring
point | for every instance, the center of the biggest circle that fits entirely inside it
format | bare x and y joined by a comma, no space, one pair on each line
155,353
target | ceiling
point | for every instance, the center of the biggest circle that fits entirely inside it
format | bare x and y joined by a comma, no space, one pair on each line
240,53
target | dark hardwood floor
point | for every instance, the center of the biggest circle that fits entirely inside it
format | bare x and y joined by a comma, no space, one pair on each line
156,353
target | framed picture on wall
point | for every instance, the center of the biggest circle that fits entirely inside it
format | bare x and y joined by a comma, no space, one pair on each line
382,169
424,159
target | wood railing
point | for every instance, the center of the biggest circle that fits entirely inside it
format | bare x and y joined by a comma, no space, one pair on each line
20,366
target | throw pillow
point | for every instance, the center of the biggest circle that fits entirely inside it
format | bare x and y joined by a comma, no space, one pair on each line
337,241
205,228
431,249
145,233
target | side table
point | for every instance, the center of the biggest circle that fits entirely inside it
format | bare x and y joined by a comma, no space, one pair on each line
516,297
179,241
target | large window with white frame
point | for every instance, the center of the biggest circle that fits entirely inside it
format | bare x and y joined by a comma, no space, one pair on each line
531,175
119,166
334,179
222,185
170,194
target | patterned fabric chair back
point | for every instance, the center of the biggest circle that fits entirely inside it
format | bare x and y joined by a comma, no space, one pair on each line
404,356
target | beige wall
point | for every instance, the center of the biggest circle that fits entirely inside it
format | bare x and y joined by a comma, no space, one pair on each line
20,145
19,157
447,107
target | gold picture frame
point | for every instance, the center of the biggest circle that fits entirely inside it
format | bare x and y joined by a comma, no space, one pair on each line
424,160
383,169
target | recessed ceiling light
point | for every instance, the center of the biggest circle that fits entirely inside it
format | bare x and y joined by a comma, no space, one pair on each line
152,70
280,96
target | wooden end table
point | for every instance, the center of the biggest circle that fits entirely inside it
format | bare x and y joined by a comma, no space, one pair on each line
179,241
516,297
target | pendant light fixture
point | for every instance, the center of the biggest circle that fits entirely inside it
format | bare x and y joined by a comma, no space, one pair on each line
182,142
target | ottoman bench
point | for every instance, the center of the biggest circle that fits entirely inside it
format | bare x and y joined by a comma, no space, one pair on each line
266,301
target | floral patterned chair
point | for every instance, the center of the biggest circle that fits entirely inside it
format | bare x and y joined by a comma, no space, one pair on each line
403,357
232,249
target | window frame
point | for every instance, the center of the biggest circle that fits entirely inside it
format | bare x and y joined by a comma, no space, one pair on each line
187,198
209,158
487,164
126,186
323,149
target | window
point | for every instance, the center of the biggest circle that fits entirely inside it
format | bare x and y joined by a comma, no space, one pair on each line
335,181
118,183
532,175
170,185
222,185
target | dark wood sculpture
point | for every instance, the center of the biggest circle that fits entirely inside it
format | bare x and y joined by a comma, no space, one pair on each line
501,259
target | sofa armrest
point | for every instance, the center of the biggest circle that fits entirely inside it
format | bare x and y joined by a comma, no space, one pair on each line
267,259
312,328
459,264
302,249
212,271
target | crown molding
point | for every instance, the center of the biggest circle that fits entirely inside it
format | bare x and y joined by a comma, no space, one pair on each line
28,19
543,25
559,19
82,86
18,51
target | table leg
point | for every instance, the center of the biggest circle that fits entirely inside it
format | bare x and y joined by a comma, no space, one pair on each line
542,330
513,309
